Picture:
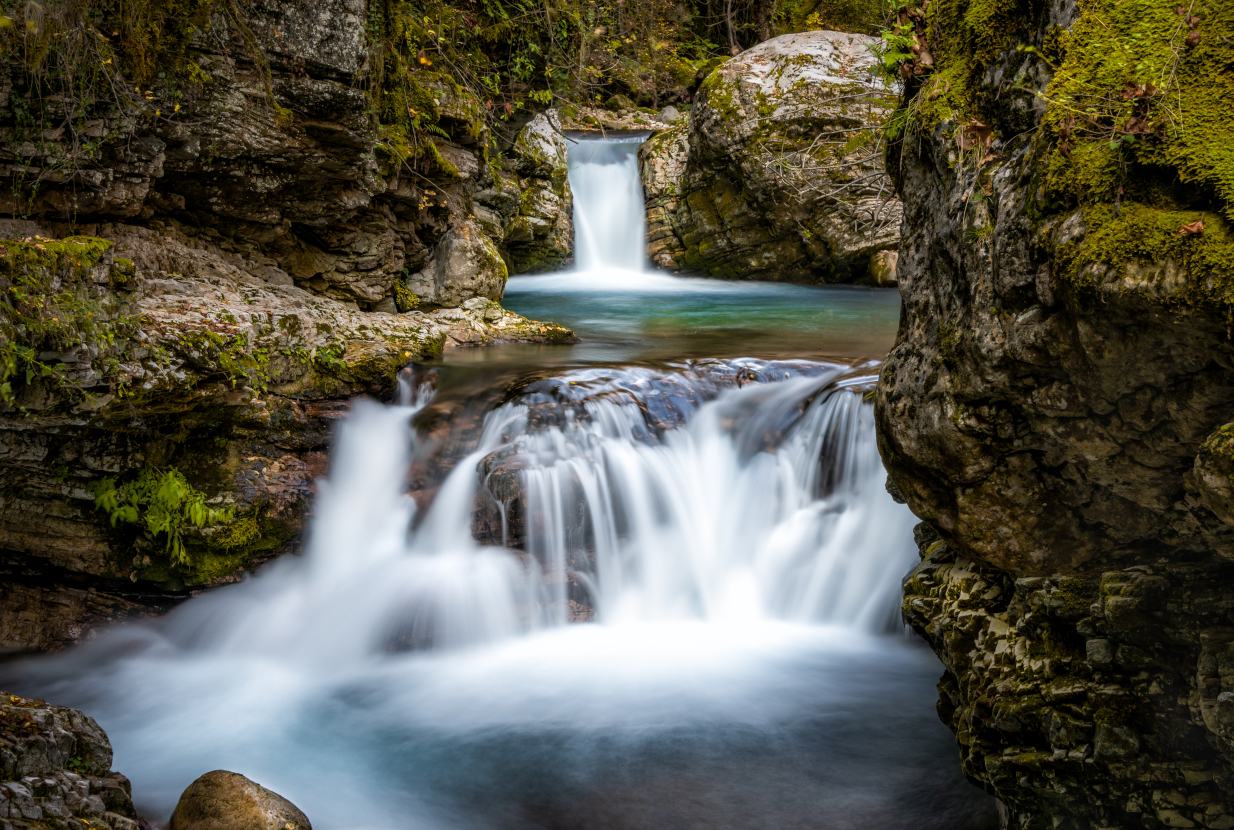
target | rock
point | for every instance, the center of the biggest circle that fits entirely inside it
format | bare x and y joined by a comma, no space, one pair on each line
539,149
537,221
1056,408
55,769
669,114
778,174
465,264
191,364
882,271
222,800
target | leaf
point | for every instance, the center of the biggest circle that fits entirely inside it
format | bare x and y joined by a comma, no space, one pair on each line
974,134
1192,228
1193,39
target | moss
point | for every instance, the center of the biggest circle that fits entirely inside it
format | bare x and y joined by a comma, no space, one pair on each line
49,303
123,271
1119,46
1074,596
1149,236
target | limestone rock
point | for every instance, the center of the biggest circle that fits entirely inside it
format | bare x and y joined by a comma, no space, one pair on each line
1056,408
778,174
55,770
196,365
540,149
222,800
538,230
465,264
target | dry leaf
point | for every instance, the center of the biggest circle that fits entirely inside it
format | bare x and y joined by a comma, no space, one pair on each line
1193,39
1192,228
975,134
543,329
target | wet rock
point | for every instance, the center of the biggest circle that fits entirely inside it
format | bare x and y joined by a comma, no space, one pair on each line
770,179
222,800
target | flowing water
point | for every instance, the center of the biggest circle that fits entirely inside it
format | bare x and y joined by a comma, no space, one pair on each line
651,595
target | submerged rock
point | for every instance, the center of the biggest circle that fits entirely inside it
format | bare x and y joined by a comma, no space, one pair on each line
222,800
55,770
778,174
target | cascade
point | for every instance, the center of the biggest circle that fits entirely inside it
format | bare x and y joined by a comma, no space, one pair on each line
608,202
723,526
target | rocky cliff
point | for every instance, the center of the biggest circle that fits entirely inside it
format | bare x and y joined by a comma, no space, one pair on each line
778,174
220,234
1055,408
55,770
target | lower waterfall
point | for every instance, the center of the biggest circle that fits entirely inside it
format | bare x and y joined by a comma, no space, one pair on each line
649,596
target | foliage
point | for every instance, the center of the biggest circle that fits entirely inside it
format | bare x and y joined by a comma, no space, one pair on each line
83,72
46,307
163,502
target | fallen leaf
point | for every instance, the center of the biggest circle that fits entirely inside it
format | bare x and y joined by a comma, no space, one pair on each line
975,134
543,329
1192,228
1193,39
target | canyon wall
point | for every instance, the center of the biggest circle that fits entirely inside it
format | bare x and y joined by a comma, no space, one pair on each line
1056,407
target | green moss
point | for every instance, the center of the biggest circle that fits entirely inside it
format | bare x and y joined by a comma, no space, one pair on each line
1150,236
1074,596
1121,45
123,272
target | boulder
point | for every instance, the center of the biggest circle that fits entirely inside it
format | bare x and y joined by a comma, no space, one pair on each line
222,800
465,264
778,174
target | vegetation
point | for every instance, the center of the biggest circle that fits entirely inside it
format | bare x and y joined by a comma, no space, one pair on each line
47,311
164,503
1135,126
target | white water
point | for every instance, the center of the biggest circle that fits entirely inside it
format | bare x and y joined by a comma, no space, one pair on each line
742,568
609,229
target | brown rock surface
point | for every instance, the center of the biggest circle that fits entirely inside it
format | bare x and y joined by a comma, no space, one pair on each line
222,800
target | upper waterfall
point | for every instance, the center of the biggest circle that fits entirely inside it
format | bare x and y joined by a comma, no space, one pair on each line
609,218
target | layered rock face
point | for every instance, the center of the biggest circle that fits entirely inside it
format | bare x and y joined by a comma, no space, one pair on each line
200,280
778,174
1054,405
55,770
283,164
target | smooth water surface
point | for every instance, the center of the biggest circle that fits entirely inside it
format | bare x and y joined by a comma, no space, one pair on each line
623,315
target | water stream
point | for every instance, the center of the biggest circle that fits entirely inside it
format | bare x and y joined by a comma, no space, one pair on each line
650,595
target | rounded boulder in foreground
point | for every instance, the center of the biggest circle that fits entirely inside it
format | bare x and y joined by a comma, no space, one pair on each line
223,800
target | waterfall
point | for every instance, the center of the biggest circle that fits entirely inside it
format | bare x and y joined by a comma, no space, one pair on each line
638,597
609,222
703,521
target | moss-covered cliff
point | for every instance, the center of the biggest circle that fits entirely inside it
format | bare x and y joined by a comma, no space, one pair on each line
1054,403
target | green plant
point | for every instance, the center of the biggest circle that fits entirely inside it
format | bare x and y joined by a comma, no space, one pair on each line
163,502
46,306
